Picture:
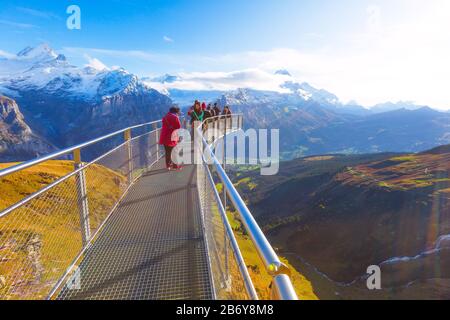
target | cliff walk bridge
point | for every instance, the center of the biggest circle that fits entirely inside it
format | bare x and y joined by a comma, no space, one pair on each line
121,226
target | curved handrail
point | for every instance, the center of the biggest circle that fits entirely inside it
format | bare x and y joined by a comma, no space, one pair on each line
268,255
31,163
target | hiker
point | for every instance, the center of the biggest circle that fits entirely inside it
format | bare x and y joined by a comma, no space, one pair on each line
208,117
197,117
227,112
216,109
203,106
192,108
209,113
169,137
211,110
197,113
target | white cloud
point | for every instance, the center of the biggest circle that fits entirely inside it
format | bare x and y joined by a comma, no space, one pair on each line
37,13
4,54
17,24
168,39
135,54
250,78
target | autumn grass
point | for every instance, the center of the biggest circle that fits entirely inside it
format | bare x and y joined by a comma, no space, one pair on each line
39,240
409,158
247,182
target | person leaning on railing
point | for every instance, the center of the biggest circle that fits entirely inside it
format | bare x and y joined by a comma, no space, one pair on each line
169,137
207,118
197,116
226,112
216,109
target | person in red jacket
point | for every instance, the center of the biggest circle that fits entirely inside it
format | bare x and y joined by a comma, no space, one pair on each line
169,138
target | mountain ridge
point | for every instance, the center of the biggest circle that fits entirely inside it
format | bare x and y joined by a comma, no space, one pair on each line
17,140
66,104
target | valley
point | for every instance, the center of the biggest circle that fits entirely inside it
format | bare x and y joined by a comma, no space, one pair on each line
333,216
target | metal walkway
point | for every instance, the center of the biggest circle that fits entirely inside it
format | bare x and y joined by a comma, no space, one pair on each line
153,247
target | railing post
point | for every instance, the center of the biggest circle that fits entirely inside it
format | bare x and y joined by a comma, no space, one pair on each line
213,132
227,269
155,128
82,198
127,138
224,144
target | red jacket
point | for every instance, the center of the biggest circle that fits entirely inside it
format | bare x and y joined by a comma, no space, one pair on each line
170,124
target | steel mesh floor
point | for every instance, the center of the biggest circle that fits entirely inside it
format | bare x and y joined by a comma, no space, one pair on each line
152,248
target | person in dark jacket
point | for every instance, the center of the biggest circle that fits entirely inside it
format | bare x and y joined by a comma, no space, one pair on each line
169,137
209,108
209,113
216,109
208,117
226,111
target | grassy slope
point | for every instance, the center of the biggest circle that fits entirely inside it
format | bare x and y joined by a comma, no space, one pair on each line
18,185
405,173
40,240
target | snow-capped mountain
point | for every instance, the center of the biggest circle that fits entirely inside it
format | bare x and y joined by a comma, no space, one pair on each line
41,68
307,92
285,88
67,104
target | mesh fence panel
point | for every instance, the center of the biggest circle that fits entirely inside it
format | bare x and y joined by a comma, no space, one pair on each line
145,151
38,241
106,182
228,281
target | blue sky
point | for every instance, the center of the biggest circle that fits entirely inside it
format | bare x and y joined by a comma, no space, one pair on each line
195,26
370,51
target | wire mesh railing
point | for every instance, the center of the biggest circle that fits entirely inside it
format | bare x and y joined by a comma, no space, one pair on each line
229,273
51,208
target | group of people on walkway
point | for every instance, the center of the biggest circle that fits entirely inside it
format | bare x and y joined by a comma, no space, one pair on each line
201,112
171,123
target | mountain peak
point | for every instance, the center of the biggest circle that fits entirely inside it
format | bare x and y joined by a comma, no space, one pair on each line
41,51
166,78
283,72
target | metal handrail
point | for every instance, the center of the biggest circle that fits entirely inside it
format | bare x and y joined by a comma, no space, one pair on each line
31,163
283,287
